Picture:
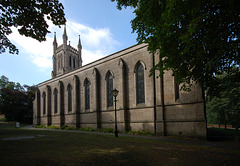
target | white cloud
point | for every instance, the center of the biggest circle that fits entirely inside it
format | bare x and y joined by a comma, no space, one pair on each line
90,56
93,38
39,52
96,43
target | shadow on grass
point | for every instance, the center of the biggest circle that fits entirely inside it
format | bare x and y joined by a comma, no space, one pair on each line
74,148
221,134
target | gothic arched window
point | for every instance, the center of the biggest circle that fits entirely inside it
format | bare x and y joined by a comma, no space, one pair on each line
74,65
44,103
70,61
87,94
59,62
55,101
140,84
177,90
69,89
109,89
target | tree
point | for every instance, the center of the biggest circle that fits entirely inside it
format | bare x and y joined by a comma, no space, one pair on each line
223,101
12,104
16,100
30,96
5,83
197,39
29,17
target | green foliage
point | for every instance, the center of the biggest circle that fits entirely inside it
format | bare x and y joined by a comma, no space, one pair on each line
197,39
223,101
29,17
110,130
86,129
52,127
5,83
63,127
216,110
69,128
40,126
106,130
144,132
66,127
16,100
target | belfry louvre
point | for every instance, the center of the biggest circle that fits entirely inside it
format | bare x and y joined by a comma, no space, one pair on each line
80,96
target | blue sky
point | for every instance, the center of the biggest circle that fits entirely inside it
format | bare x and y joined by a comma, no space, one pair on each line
103,29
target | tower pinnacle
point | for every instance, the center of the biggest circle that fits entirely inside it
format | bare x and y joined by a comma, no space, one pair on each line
79,44
65,38
54,43
79,52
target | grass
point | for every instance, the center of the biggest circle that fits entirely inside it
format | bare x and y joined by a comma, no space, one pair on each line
223,132
74,148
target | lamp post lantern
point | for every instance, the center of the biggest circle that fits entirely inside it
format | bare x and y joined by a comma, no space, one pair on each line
115,93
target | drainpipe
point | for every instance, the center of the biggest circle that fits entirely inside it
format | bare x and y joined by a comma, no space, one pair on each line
162,99
205,112
154,98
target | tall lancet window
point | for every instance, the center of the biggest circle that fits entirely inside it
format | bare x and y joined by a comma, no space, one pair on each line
109,89
87,94
69,89
74,65
140,84
59,63
177,90
70,61
55,100
44,103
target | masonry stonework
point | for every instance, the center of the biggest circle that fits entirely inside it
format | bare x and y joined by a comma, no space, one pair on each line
165,110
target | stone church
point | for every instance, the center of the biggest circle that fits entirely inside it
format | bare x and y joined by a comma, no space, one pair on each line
81,96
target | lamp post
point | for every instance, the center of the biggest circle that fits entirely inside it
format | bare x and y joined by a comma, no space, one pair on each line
115,93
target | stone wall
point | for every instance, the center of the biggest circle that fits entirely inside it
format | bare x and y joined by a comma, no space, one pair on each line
184,116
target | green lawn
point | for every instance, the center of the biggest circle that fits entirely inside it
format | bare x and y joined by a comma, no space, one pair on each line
223,132
74,148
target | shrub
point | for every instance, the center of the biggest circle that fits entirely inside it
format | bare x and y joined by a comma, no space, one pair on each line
52,127
86,129
66,127
107,130
144,132
69,128
63,127
40,126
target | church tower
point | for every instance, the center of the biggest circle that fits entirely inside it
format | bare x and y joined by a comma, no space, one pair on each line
65,57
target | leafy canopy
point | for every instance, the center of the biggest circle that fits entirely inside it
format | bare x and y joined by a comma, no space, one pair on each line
16,100
197,39
223,101
29,17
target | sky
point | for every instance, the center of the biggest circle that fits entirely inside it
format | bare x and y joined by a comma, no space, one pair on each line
103,29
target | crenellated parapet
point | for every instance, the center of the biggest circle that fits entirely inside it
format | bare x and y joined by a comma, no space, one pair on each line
72,49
